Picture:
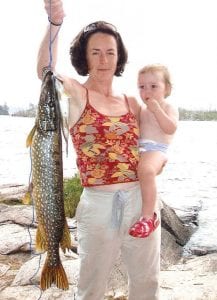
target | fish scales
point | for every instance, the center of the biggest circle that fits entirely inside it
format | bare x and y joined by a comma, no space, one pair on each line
47,180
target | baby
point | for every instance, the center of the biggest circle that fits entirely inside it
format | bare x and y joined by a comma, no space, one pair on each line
158,123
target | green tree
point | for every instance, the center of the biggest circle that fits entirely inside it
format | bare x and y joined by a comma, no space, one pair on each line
4,109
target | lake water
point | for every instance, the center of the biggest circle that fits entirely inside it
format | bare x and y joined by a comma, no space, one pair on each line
189,178
15,163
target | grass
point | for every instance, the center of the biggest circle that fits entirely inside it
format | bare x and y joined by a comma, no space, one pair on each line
72,193
72,190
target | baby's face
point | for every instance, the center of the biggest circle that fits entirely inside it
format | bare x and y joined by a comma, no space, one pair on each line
152,85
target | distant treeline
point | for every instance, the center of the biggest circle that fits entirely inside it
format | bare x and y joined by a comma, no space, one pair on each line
4,110
29,112
184,114
197,115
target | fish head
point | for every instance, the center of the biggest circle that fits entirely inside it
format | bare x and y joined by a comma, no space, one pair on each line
48,108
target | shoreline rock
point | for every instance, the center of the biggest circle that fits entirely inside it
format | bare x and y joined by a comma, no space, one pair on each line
181,275
12,193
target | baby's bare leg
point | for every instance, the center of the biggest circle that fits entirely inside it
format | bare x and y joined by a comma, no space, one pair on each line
150,165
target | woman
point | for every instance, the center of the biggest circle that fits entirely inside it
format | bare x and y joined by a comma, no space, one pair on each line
104,131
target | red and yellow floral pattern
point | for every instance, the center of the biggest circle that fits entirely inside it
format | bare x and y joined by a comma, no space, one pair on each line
106,147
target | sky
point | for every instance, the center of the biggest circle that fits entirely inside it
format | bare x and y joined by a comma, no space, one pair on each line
180,34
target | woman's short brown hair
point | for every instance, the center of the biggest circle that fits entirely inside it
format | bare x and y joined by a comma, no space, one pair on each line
79,46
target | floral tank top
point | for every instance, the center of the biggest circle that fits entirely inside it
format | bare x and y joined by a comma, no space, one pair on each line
106,147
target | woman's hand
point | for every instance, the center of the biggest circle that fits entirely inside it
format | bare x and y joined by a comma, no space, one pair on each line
55,11
72,88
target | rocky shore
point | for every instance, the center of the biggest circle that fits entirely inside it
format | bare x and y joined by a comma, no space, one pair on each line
183,277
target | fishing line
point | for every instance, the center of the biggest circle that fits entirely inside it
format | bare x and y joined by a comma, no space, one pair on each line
51,40
32,224
31,198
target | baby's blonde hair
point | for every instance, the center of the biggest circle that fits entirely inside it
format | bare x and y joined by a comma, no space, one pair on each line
159,68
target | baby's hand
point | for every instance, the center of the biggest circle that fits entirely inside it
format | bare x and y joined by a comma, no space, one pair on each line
152,105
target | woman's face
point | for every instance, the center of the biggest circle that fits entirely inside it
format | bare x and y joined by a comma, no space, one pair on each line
102,56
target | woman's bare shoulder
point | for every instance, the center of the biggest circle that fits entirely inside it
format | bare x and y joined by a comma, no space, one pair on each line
77,95
135,105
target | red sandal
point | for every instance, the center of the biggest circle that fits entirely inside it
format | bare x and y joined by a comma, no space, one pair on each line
144,227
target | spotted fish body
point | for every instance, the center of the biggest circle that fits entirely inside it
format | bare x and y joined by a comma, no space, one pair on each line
47,180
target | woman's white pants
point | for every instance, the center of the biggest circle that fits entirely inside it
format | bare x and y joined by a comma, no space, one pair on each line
104,219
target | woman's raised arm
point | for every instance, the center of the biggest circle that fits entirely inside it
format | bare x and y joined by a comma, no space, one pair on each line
55,13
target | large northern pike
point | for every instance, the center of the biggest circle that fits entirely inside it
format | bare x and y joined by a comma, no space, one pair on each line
47,180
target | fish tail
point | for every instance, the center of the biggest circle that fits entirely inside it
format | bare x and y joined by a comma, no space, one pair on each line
55,275
30,137
65,242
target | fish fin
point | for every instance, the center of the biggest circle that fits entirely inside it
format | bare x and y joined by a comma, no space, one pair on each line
65,133
65,242
63,98
30,137
40,244
26,200
56,275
